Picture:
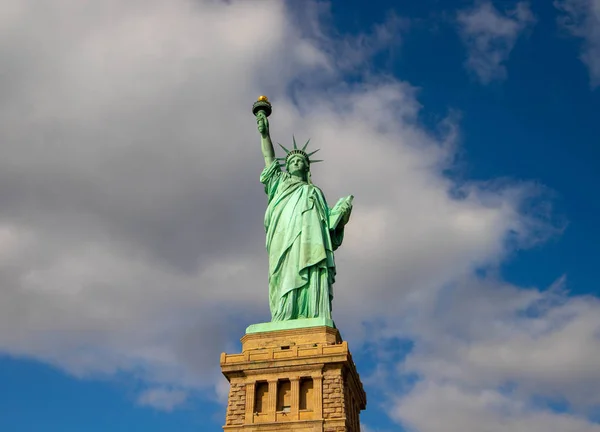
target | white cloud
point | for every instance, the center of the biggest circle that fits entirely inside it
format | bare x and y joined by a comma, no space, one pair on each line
366,428
492,354
582,19
490,36
131,213
458,409
162,399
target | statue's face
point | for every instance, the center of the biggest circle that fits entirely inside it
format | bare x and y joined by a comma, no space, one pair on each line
297,166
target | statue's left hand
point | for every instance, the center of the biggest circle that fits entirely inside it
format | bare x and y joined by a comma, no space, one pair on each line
346,210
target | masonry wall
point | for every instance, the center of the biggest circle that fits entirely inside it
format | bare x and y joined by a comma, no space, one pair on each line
236,405
315,355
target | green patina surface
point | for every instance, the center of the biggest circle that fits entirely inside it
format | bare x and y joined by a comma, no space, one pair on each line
290,324
302,233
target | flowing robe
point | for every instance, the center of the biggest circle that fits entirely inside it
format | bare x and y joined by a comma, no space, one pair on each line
300,244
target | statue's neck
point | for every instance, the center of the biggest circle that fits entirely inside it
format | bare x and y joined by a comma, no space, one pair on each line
299,177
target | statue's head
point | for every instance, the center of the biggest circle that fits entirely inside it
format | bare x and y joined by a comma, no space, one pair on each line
297,161
298,165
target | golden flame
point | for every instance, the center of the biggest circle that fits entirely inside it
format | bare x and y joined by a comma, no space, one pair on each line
263,98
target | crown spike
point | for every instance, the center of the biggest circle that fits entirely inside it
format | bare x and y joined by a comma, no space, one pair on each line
305,145
294,139
286,150
312,152
316,161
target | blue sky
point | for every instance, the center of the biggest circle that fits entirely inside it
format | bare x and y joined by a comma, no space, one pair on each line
538,124
110,191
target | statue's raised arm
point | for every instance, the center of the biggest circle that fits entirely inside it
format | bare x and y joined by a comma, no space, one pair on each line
302,231
262,109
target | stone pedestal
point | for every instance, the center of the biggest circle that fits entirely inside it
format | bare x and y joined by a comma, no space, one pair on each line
301,380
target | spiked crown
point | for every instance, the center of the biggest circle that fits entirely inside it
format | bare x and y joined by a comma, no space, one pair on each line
297,152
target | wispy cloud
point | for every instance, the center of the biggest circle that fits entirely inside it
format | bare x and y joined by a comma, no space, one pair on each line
490,35
162,399
582,19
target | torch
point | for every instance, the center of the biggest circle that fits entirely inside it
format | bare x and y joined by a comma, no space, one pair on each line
262,104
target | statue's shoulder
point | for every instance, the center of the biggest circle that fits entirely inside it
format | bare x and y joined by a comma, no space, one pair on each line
318,191
270,171
316,188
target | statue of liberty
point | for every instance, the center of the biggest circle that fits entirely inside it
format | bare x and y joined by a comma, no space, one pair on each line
302,231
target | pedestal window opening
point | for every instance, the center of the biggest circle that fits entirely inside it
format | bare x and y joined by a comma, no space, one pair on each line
306,394
261,398
284,395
